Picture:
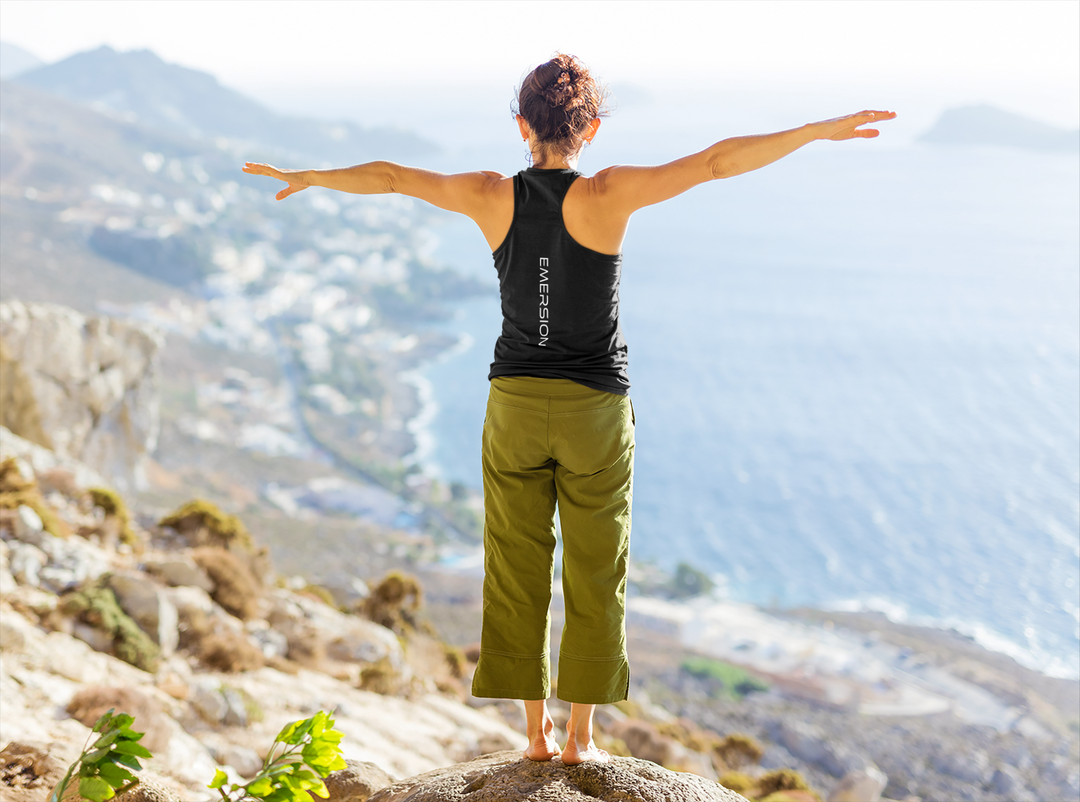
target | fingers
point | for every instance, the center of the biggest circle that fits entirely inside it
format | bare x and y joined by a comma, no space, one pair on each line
255,168
876,116
289,190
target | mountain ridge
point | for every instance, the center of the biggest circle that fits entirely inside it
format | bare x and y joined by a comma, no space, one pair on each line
987,125
138,86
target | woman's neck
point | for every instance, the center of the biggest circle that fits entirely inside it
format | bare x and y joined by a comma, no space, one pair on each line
568,162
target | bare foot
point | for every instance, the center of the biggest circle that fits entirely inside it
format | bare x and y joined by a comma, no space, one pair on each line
572,755
543,746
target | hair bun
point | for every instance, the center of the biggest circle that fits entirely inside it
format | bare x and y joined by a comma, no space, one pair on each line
562,90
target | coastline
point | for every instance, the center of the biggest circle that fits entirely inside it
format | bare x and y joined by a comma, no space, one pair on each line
423,428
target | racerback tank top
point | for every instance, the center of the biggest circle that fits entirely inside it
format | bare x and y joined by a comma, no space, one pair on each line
560,300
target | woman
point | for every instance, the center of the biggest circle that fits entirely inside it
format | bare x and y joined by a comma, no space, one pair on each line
559,428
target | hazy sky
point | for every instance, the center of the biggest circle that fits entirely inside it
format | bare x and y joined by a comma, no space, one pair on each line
1024,55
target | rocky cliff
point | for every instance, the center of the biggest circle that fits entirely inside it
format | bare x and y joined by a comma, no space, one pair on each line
87,387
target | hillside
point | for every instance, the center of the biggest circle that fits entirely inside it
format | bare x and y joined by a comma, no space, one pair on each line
14,59
138,86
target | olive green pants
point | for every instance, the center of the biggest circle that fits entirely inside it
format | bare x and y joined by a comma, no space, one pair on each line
548,443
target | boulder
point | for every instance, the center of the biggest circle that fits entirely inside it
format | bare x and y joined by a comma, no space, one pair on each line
363,641
246,762
96,639
26,563
356,782
28,770
7,580
43,463
206,697
28,525
144,601
644,741
71,562
344,638
94,383
865,785
271,642
236,711
180,571
509,777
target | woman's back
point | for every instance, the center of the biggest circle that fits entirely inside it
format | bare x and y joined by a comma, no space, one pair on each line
560,298
590,218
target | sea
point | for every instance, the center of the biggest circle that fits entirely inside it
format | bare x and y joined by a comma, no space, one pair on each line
855,372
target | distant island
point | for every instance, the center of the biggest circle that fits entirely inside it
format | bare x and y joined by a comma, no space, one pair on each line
988,125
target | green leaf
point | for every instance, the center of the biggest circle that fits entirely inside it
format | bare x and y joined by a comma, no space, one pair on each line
95,789
320,790
318,723
132,748
125,760
90,758
103,722
261,786
115,775
106,739
287,732
131,735
122,721
286,795
220,778
301,780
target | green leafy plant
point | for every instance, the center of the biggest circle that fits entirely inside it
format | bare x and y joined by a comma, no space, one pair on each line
309,752
104,767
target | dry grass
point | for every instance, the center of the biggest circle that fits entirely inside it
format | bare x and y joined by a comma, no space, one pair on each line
88,705
235,586
395,602
230,652
307,649
736,751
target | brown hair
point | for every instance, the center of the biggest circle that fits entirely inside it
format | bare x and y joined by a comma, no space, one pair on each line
558,100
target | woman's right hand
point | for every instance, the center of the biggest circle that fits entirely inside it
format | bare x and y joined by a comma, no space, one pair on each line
841,128
291,177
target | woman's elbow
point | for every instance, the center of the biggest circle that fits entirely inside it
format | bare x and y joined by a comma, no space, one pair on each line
720,168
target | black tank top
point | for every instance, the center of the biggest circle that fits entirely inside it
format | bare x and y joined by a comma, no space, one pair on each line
560,300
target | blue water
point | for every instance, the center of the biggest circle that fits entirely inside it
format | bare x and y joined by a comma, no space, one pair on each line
857,382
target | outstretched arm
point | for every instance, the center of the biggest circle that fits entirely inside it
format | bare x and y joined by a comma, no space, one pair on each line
632,188
467,193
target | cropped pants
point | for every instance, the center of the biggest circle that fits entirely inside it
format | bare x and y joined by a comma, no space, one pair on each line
554,443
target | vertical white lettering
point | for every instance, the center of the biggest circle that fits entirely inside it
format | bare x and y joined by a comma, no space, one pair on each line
545,311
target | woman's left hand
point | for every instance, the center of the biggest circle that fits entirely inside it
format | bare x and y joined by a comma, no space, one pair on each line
291,177
841,128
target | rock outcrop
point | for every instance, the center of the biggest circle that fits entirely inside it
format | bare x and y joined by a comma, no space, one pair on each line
216,688
509,777
89,384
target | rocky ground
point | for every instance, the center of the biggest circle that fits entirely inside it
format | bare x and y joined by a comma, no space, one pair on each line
219,652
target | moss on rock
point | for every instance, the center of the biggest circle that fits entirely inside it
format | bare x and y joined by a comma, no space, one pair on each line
113,506
95,604
205,525
16,491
